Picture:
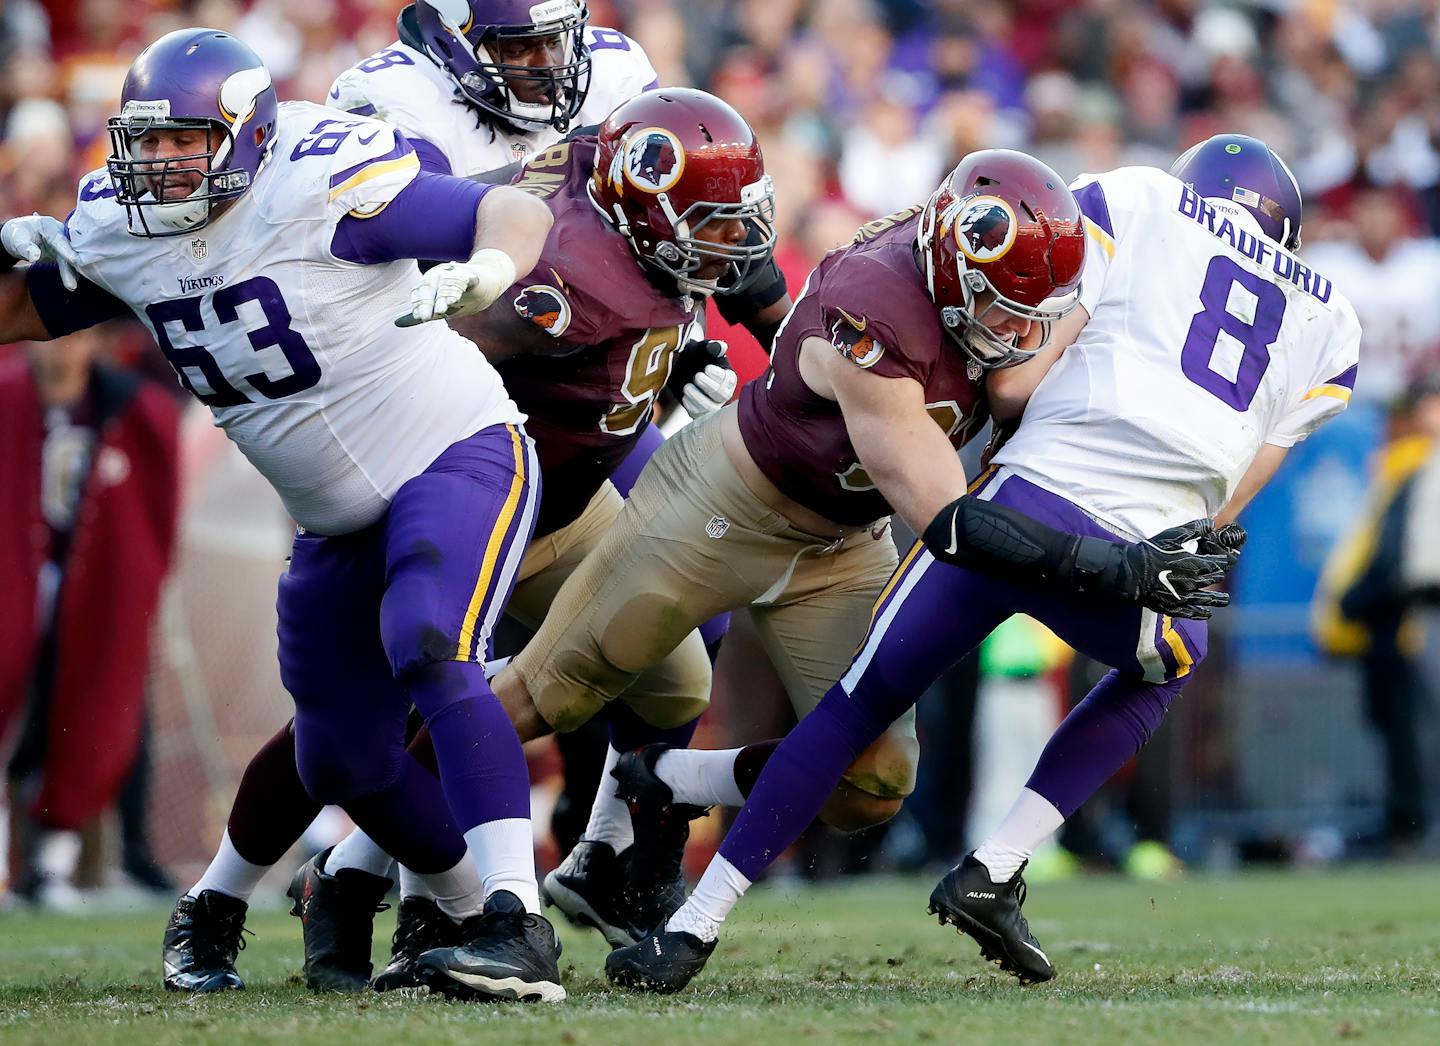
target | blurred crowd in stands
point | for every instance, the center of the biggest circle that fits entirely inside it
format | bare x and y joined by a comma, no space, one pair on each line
862,105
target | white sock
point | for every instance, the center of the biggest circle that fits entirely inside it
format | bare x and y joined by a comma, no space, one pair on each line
504,851
229,873
1029,823
609,817
413,885
57,853
358,850
719,890
701,778
459,892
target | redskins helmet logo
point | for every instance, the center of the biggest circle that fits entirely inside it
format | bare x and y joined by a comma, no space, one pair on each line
545,307
654,160
857,344
985,228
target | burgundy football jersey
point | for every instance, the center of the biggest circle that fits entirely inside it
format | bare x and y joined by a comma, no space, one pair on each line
614,330
868,300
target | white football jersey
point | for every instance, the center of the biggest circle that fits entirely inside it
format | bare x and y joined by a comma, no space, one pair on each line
405,87
294,350
1205,340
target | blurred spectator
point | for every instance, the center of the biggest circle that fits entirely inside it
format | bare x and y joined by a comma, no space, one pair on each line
1387,272
1363,608
89,460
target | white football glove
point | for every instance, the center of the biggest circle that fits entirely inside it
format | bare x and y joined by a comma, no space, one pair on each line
41,238
709,390
460,288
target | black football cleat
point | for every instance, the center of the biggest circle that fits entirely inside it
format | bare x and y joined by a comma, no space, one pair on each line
655,879
508,954
990,913
590,888
662,961
337,913
420,926
203,937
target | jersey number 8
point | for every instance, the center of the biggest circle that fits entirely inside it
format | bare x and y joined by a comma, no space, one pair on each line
1265,304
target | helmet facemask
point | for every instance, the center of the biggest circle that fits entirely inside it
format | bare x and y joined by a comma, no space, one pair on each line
686,252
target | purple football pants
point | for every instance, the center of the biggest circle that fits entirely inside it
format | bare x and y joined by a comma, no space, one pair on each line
930,615
399,614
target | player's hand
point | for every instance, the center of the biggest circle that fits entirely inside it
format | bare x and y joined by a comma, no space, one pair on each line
460,288
1162,575
702,378
1229,538
41,238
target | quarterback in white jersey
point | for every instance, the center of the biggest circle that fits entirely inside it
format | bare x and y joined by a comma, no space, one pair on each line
269,248
1205,341
483,84
1200,351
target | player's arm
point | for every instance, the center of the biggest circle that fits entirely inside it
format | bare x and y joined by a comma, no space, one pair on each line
1008,390
502,332
910,460
1261,471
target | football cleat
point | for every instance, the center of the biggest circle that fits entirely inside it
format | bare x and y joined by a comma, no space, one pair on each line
508,954
990,913
203,937
337,913
590,888
662,961
655,879
420,926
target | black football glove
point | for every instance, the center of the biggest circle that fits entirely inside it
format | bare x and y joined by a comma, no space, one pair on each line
1161,575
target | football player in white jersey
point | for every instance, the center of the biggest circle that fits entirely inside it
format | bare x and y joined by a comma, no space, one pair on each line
481,84
1202,349
268,248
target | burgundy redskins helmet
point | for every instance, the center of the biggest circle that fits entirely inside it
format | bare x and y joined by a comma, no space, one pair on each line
1003,234
672,161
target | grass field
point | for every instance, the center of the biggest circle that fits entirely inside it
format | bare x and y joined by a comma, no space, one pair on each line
1277,957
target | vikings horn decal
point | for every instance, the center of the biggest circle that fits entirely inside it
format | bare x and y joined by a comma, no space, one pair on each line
545,307
985,228
855,343
654,159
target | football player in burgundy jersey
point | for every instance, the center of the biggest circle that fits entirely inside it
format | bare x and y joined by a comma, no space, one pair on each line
891,357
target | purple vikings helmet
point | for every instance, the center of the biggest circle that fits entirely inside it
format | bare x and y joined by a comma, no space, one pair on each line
197,80
468,38
1246,171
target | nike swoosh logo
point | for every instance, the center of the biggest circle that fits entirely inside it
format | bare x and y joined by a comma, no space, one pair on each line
493,965
954,537
859,325
1164,578
366,141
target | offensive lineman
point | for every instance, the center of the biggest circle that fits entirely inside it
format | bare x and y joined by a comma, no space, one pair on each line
1148,418
266,247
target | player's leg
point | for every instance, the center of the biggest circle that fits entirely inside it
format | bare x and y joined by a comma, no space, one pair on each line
270,812
1153,656
454,538
927,617
349,749
809,633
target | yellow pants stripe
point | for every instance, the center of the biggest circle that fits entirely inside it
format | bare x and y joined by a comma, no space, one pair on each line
1183,661
493,548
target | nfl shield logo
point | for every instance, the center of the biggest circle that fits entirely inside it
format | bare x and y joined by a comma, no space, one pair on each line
717,526
199,249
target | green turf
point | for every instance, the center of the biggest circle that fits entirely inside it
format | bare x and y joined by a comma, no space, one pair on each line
1275,957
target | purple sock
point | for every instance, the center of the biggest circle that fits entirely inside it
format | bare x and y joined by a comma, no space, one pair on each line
1099,736
411,821
482,764
628,731
797,780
